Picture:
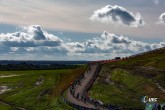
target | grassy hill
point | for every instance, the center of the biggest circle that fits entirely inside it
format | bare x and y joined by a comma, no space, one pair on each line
36,89
125,82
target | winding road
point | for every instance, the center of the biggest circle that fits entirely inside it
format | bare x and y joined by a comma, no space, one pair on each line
76,94
81,88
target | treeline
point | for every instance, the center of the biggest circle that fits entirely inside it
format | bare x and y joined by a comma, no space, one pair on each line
26,66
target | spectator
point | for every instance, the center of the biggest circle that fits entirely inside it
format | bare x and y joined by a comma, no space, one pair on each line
77,97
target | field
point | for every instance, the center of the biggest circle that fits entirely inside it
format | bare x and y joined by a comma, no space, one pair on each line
125,82
122,83
36,89
5,107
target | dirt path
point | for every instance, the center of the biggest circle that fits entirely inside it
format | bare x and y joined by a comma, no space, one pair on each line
7,76
3,89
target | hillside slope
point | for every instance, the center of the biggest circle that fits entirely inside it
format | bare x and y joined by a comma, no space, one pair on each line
36,89
155,58
125,82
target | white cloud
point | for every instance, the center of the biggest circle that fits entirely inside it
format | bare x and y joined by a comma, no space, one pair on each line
31,36
110,45
30,39
33,42
117,14
162,19
75,47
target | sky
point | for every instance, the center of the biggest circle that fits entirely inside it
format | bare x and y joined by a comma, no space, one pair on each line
79,29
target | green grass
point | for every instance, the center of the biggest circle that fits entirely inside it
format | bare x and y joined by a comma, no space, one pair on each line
150,64
5,107
25,93
126,91
154,59
130,80
115,95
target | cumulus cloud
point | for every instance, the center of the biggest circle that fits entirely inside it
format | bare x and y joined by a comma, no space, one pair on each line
33,41
117,14
162,19
111,44
30,39
31,36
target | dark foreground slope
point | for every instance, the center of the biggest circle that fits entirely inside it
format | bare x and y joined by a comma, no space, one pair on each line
125,82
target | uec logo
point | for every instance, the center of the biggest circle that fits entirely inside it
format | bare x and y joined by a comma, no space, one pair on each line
147,99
